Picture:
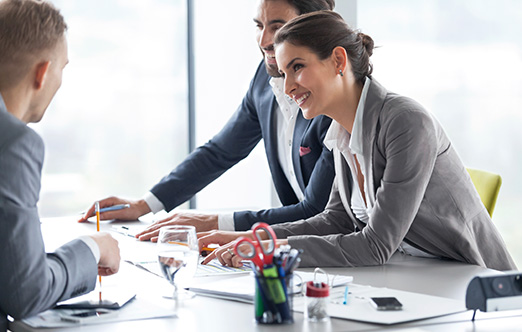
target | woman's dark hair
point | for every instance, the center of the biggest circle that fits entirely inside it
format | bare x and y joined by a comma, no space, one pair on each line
323,31
308,6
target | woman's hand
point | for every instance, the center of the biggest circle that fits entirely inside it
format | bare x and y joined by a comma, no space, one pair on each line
227,240
228,257
225,253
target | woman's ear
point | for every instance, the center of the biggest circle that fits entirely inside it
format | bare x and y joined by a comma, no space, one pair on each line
340,59
40,74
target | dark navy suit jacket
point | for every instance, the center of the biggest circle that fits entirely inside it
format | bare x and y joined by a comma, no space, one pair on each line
253,121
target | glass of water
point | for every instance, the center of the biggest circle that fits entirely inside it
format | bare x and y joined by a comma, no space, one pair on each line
178,254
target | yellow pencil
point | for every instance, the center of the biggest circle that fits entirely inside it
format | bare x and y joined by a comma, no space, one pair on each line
186,245
97,207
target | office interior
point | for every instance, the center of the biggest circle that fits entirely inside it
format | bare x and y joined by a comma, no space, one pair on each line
127,112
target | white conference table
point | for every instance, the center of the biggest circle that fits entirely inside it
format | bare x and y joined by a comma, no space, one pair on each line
428,276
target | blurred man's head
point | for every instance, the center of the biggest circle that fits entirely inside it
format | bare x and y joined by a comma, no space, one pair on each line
272,15
33,53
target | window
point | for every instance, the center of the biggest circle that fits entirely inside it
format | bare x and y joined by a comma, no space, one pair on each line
226,58
462,61
119,122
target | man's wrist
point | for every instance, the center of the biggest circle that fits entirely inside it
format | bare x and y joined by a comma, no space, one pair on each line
143,207
225,222
152,203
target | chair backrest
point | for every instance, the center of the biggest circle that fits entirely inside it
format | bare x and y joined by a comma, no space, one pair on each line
487,185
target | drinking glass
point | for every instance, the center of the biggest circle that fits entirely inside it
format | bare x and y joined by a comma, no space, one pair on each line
178,255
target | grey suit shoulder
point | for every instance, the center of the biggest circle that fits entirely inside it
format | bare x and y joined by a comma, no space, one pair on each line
31,281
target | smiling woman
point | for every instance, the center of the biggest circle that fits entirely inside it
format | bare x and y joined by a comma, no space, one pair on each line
397,173
312,78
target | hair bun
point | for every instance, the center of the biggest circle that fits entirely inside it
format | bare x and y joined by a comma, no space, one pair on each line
367,42
331,4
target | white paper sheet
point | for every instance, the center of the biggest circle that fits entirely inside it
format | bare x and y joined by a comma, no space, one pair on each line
242,288
135,310
212,269
147,259
415,306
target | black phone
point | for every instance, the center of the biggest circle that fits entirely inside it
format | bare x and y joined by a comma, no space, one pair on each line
78,316
108,299
386,303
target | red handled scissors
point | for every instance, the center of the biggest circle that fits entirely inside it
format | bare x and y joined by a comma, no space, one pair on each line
255,251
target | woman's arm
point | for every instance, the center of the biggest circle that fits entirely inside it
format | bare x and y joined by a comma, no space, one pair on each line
406,151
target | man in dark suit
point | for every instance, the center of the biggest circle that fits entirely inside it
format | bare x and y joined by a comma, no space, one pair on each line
301,167
33,53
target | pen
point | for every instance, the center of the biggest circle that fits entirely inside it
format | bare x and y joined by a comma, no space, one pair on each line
292,261
185,244
114,208
111,208
123,230
97,208
345,302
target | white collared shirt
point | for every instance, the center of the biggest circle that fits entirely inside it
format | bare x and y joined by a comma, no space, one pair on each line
2,104
91,243
286,116
350,146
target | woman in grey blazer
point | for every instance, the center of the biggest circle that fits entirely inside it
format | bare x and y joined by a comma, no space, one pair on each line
399,183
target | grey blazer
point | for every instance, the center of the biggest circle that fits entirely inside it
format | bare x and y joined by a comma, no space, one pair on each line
420,190
31,281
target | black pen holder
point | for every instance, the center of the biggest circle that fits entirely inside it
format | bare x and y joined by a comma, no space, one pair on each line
273,298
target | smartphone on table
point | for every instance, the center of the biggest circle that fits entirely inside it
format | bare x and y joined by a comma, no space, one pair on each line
84,316
386,303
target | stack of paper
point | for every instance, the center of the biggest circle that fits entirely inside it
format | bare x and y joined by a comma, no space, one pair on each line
242,288
213,268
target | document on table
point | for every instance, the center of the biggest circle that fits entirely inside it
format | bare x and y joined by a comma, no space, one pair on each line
135,310
144,255
241,288
416,306
128,230
213,268
358,308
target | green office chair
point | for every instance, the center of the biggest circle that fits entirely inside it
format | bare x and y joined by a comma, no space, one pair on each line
487,185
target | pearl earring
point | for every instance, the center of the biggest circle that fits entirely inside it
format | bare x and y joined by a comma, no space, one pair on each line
341,72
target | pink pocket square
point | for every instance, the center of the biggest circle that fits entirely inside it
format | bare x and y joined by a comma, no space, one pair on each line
303,151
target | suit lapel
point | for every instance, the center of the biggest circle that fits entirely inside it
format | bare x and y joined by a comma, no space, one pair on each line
343,172
301,124
284,190
344,185
372,111
266,108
